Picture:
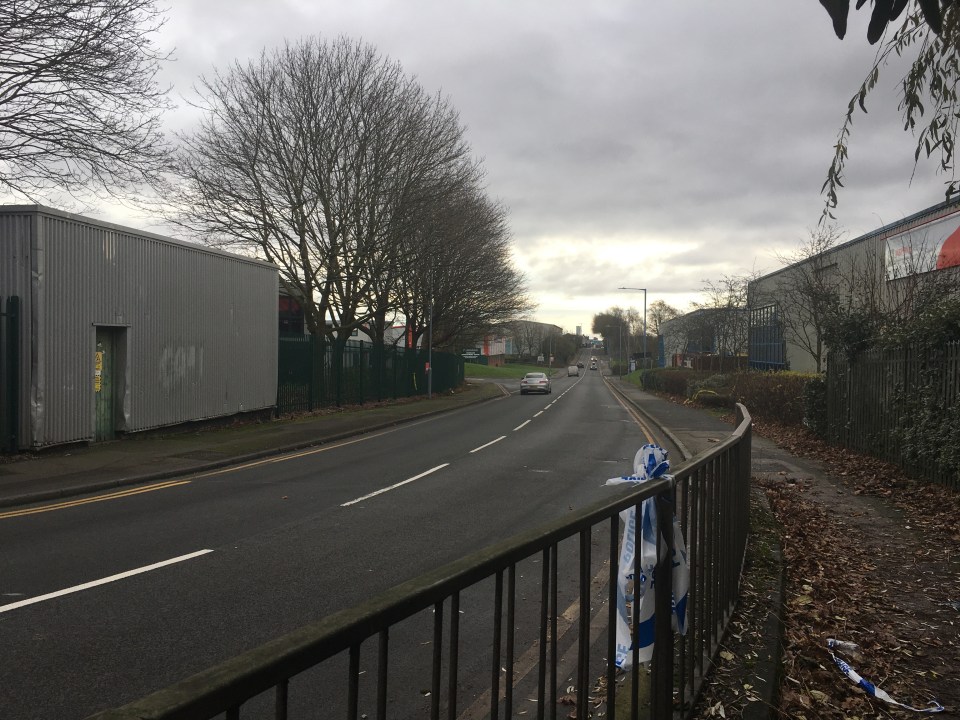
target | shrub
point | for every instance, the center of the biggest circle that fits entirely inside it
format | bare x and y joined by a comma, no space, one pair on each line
769,396
815,405
713,390
673,381
773,396
928,429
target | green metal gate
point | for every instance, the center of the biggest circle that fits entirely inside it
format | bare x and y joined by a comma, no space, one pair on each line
104,383
10,374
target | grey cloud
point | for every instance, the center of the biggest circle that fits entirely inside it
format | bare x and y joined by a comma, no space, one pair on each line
706,124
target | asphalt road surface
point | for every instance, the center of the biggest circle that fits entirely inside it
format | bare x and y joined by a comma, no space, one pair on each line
118,595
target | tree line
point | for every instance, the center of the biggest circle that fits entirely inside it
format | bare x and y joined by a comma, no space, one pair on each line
322,156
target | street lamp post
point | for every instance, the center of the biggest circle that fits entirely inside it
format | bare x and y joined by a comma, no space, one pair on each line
644,290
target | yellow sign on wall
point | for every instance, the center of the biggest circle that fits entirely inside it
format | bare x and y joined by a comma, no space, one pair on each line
97,371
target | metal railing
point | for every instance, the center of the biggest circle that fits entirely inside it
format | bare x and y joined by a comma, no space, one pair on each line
710,493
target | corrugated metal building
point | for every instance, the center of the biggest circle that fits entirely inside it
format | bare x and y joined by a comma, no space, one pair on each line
123,330
885,262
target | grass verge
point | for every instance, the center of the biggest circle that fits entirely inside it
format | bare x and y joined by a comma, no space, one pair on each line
506,372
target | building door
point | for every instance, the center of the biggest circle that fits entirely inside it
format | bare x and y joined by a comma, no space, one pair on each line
104,383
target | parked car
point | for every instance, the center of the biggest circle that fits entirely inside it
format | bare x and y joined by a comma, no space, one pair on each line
573,370
535,382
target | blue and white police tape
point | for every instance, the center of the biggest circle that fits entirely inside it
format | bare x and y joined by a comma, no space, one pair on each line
869,687
649,463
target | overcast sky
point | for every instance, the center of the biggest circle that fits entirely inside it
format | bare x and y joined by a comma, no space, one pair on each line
646,143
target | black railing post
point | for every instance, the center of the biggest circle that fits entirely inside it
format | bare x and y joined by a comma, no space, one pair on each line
661,681
612,612
583,678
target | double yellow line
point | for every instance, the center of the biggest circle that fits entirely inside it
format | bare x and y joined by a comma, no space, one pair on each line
98,498
174,483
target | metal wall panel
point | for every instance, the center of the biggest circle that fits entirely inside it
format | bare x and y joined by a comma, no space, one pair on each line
198,327
16,241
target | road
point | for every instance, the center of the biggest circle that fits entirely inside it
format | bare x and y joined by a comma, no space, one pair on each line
198,569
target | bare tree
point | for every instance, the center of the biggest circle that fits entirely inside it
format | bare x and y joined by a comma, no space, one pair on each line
528,336
807,292
461,273
318,157
80,107
725,310
658,313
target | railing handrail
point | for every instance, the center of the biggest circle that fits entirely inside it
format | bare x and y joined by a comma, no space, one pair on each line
688,467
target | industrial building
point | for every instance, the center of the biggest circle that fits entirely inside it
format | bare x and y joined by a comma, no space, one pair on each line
122,331
882,267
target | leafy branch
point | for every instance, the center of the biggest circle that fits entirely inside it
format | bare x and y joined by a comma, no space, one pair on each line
928,99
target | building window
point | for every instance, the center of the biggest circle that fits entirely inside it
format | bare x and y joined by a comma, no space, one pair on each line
767,348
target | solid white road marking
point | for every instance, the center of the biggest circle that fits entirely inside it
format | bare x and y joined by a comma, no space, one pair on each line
525,422
488,444
393,487
102,581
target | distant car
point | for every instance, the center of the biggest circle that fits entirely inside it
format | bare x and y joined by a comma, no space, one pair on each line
535,382
593,366
573,370
580,364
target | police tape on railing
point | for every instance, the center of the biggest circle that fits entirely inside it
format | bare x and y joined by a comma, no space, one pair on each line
638,561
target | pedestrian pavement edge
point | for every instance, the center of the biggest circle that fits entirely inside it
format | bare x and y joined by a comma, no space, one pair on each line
211,465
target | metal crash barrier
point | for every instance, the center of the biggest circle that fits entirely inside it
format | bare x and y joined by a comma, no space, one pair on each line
547,599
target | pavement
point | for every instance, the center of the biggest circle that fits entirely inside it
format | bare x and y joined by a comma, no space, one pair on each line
67,471
77,470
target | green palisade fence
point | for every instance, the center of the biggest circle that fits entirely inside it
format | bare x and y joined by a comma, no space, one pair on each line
312,376
901,405
9,373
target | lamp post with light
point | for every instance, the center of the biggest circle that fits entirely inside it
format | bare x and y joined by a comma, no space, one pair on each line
644,290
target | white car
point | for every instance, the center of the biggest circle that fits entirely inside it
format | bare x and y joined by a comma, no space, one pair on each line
535,382
573,370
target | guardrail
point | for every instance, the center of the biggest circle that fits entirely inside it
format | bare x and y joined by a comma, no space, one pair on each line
711,496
